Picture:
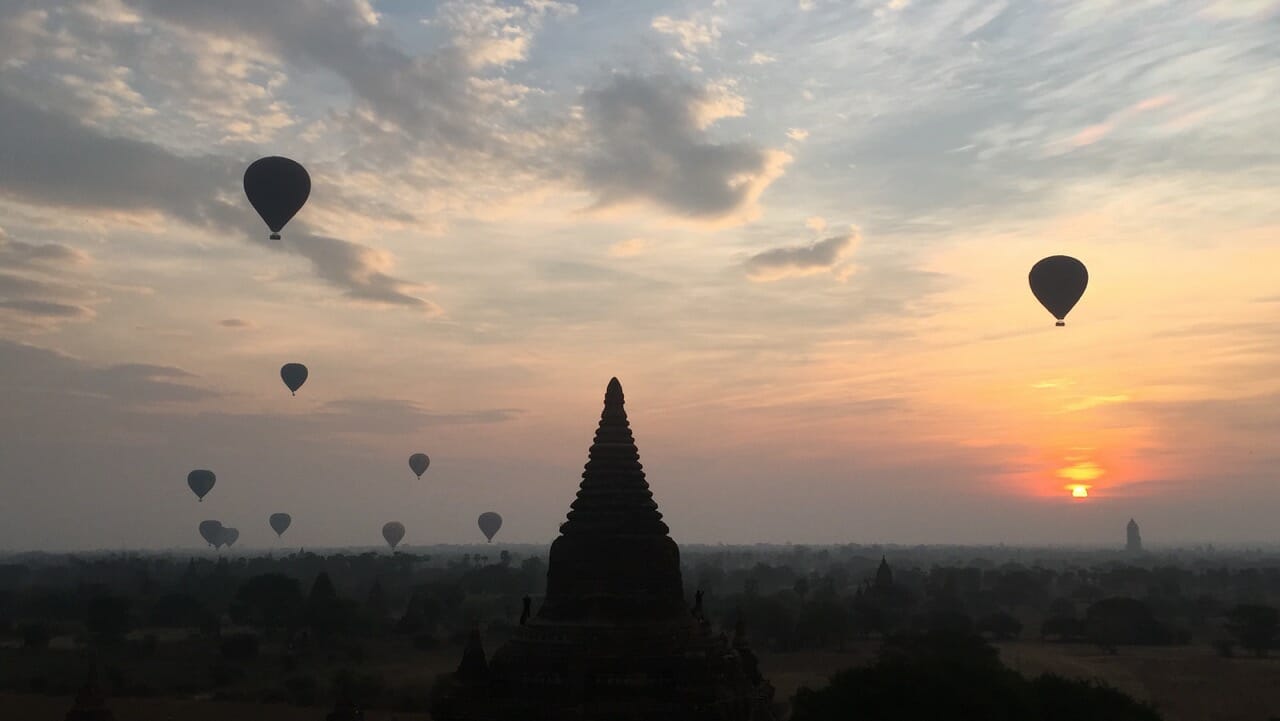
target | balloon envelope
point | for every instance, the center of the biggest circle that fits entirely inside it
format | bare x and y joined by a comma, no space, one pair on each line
418,463
201,482
230,536
1058,282
211,532
280,523
393,532
490,522
277,187
293,375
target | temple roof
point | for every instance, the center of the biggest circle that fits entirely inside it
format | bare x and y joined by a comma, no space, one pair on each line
614,497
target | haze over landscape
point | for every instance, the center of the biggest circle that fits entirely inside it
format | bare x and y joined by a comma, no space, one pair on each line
798,233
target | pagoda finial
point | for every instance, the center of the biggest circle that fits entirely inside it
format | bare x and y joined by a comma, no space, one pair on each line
614,496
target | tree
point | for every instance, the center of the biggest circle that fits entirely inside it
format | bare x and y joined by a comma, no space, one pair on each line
326,613
108,617
956,676
1255,626
270,601
1000,625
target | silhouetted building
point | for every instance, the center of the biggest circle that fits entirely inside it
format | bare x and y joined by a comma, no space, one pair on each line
884,575
1134,542
91,704
614,637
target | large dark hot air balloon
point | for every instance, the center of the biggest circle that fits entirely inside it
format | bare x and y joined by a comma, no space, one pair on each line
201,482
1058,282
277,187
211,532
393,532
280,523
418,463
293,375
490,522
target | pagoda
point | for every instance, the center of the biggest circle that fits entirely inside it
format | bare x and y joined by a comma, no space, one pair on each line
614,637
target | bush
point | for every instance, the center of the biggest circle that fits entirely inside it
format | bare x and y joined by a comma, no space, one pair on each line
239,647
302,690
36,636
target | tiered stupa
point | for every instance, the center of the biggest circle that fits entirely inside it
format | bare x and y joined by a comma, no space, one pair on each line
614,638
91,704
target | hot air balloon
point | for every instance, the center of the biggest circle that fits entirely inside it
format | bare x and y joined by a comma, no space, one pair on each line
490,522
393,532
418,463
230,536
280,523
293,375
211,531
1058,282
201,482
277,187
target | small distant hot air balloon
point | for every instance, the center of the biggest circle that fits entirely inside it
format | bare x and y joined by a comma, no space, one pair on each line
418,463
490,522
393,532
230,536
280,523
1058,282
293,375
211,532
201,482
277,188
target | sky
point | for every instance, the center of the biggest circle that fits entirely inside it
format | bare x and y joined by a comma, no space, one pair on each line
798,233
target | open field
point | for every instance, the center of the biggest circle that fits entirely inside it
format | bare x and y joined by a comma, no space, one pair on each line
1186,683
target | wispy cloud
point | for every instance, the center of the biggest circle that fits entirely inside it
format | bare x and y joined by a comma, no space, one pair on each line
799,260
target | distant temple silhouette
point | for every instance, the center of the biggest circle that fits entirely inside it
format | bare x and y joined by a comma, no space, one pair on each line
614,638
1134,542
91,703
884,575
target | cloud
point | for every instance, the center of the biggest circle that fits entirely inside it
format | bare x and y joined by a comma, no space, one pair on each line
235,323
489,33
40,287
376,415
628,248
54,161
800,260
426,96
38,372
17,254
1085,404
759,58
797,134
692,33
647,141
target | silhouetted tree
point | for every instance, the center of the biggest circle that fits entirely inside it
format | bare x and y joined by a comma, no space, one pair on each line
954,676
1000,625
1255,626
108,617
269,601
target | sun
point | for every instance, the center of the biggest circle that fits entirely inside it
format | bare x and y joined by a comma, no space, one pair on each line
1079,491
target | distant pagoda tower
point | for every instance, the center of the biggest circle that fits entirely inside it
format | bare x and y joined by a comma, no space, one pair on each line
884,575
1134,542
91,703
614,638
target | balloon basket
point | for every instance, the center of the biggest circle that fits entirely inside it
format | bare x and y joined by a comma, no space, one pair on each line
275,236
1060,323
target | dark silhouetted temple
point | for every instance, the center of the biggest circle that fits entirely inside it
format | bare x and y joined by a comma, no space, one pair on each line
614,638
1133,537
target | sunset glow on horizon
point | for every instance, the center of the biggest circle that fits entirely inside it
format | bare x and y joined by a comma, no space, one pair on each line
799,236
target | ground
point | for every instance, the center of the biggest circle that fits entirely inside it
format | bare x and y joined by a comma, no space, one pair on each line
1188,683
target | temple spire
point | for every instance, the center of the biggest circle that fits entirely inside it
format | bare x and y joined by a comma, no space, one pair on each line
614,497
